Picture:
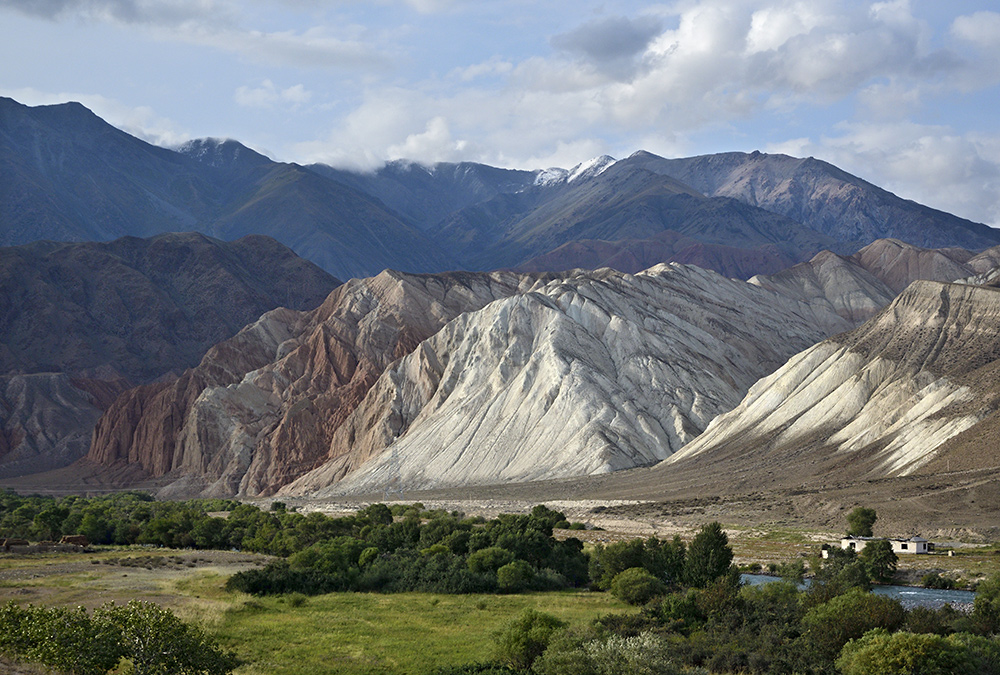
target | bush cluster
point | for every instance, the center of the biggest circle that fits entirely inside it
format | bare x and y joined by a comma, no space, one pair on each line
148,637
435,552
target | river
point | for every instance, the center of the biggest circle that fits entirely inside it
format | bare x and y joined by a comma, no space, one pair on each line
910,596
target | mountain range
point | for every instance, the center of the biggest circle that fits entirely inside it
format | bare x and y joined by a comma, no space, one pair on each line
69,176
749,315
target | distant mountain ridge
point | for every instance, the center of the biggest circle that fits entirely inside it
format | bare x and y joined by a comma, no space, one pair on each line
823,197
69,176
790,209
137,309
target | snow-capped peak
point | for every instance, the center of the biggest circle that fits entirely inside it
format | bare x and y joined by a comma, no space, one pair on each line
212,151
551,176
590,168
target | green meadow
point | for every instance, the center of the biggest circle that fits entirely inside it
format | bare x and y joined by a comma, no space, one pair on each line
376,634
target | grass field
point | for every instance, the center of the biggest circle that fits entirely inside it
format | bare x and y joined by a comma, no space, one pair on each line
343,633
369,634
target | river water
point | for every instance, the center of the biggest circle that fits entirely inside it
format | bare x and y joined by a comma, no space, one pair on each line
910,596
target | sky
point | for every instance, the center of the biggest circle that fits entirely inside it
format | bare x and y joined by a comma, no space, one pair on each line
903,93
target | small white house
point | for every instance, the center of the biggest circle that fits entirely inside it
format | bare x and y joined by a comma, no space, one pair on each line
912,545
856,544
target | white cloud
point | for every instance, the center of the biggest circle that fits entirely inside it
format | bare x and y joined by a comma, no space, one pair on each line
312,47
267,95
981,29
431,6
772,27
611,44
433,144
495,66
159,12
218,24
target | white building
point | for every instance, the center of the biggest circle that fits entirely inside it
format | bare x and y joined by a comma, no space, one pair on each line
912,545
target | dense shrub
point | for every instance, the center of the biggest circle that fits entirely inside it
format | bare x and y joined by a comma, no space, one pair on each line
880,652
488,560
278,578
643,654
150,638
846,617
607,562
678,612
664,560
63,639
480,669
986,606
936,580
524,638
636,586
839,573
515,576
156,642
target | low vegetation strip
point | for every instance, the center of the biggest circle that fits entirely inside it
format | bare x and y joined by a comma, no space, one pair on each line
450,595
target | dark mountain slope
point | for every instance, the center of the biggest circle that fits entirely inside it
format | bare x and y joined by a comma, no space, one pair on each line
427,195
69,176
141,308
630,203
81,322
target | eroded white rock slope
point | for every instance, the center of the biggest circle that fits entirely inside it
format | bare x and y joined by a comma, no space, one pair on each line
590,373
889,393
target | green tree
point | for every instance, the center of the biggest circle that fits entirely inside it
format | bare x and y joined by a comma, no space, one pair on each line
986,606
708,557
860,522
376,514
525,638
48,523
607,562
836,575
515,576
665,559
488,560
880,560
